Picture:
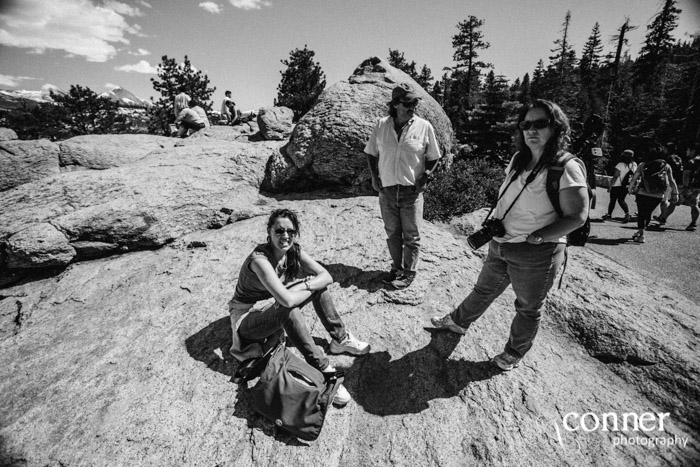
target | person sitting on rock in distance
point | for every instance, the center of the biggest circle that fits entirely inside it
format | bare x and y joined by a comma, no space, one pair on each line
275,282
650,182
624,170
180,103
402,154
228,109
191,119
532,249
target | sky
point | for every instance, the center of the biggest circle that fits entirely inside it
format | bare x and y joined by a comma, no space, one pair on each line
239,44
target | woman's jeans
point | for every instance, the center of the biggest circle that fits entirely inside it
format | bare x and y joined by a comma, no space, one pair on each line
402,212
645,206
617,195
259,325
531,269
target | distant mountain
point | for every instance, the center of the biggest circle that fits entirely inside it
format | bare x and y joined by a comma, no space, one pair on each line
126,98
13,99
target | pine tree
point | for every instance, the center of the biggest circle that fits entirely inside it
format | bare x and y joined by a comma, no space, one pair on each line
302,82
653,58
467,43
173,79
424,78
562,65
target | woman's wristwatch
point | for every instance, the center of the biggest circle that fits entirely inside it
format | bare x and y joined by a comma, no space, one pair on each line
537,239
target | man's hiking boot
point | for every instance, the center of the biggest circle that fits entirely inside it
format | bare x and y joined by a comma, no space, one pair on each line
403,280
660,220
506,361
626,219
390,276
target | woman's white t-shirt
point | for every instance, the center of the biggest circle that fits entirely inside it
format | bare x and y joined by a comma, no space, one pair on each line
532,210
623,168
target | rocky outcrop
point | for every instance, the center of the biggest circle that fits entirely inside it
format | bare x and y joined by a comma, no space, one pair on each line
7,134
99,152
275,123
25,161
145,204
326,146
124,361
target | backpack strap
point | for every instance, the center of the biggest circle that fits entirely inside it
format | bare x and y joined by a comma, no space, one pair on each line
554,174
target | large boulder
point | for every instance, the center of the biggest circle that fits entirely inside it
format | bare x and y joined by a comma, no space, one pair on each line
7,134
124,361
196,185
275,123
25,161
326,146
106,151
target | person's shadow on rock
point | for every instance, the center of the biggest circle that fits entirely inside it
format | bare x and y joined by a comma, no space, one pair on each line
347,276
211,345
383,387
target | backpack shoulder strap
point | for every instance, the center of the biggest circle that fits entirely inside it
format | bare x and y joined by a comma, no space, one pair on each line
554,173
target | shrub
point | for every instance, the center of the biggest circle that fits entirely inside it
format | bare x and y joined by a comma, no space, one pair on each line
468,185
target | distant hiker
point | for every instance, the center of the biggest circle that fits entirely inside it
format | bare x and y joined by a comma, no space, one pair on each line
624,171
676,163
530,248
180,103
191,119
228,109
402,154
275,282
690,191
650,181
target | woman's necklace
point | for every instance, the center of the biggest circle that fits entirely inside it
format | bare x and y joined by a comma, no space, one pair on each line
282,266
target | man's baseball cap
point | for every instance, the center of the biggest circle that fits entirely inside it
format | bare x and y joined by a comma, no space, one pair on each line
404,93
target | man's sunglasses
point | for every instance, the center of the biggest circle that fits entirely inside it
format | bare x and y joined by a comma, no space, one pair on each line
540,124
282,231
409,105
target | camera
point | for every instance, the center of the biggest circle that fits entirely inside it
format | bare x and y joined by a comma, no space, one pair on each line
489,229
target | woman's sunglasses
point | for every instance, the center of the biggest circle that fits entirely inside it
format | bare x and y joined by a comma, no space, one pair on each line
540,124
408,105
290,232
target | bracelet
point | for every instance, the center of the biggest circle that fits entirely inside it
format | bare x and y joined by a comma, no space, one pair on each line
306,283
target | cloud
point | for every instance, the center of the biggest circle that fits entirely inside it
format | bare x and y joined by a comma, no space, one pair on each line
122,8
211,7
111,86
146,4
250,4
12,81
75,26
141,67
140,52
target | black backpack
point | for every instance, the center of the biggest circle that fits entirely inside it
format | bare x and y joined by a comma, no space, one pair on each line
625,182
578,237
694,168
290,392
654,177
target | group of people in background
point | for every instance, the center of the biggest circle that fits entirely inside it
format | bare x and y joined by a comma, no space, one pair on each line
190,117
662,180
279,278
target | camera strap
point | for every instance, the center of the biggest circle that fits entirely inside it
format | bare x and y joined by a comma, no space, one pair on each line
528,180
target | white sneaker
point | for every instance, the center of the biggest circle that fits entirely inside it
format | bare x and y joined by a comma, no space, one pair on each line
447,323
349,345
342,397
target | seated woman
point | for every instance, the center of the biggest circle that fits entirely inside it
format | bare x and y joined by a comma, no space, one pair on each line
191,119
275,282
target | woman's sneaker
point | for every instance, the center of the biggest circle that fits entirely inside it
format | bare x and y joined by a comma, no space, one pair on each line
606,217
342,397
349,345
692,227
626,219
446,323
506,361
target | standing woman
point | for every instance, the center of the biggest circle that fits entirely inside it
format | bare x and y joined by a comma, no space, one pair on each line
649,196
531,251
275,282
624,171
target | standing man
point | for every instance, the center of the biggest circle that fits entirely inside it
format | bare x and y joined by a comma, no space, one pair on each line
402,154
